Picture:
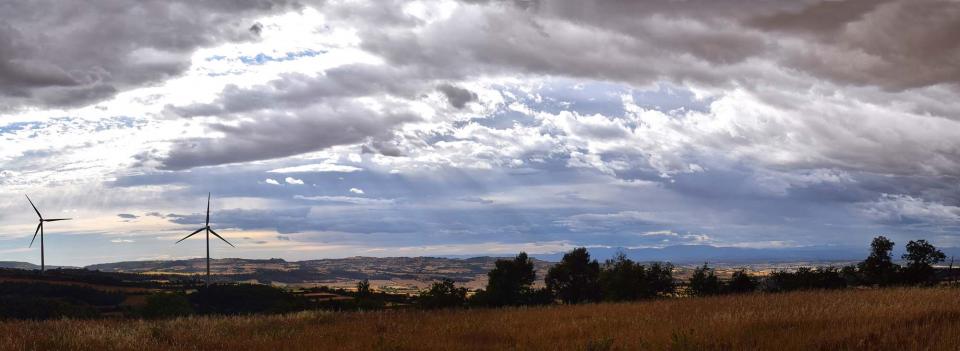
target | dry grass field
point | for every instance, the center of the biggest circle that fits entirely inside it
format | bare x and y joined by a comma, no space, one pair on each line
887,319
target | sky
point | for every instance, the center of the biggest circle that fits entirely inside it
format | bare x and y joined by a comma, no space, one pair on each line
403,128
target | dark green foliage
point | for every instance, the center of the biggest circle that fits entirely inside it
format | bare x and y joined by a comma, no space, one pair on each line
660,279
443,294
920,257
879,268
576,278
741,282
805,279
704,282
621,279
38,308
363,288
509,282
245,299
538,297
851,275
167,305
72,293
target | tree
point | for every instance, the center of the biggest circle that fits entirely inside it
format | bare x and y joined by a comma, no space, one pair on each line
741,282
879,268
660,279
509,282
576,278
704,281
920,257
363,288
443,294
621,279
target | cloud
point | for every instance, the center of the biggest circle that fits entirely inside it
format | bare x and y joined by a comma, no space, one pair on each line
294,181
127,216
894,209
46,61
347,200
276,134
607,222
458,97
318,167
615,123
356,191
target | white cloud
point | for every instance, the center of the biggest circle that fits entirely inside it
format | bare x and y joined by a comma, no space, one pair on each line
292,180
908,209
356,191
347,199
319,167
272,181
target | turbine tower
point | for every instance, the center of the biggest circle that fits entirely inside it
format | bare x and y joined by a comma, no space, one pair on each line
206,228
39,230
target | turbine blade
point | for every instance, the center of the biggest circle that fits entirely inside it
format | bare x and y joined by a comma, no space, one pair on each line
57,219
191,234
208,209
221,238
34,207
35,234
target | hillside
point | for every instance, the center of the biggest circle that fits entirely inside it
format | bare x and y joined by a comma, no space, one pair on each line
18,265
881,319
412,272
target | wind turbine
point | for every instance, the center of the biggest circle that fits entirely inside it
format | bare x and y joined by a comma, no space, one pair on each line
206,228
40,231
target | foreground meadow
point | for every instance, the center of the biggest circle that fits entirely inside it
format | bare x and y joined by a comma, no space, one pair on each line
891,319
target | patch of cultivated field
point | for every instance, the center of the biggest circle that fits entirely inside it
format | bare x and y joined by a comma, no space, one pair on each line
892,319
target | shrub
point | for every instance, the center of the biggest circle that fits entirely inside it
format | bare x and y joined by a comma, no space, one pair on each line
38,308
704,282
167,305
741,282
245,299
443,294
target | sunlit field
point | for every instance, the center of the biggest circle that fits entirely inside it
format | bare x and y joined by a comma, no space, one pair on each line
886,319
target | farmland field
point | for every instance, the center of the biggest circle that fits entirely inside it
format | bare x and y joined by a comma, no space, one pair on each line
909,318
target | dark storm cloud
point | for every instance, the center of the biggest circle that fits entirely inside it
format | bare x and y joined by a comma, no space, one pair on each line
697,41
55,53
457,96
275,134
895,44
295,90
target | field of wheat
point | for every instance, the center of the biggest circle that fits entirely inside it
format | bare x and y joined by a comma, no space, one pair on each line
893,319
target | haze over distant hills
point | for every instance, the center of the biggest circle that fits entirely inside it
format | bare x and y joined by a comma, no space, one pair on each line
681,254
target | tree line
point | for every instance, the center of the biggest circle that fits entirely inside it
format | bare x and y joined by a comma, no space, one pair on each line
578,279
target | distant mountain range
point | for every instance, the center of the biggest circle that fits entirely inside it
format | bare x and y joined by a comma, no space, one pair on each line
684,254
381,271
18,265
721,255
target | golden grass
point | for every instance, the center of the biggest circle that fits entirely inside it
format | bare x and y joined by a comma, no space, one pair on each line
893,319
